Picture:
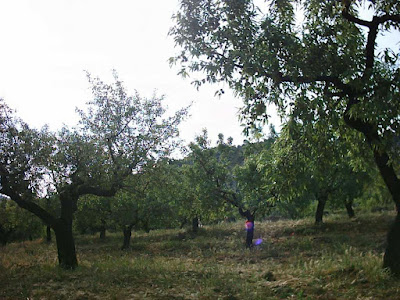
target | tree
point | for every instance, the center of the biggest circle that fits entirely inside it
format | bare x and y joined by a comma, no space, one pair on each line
266,57
148,200
199,202
116,137
21,168
310,160
17,224
225,183
94,215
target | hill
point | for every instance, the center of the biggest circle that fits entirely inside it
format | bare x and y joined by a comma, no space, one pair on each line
340,259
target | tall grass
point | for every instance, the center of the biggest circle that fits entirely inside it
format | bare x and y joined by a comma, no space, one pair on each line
341,259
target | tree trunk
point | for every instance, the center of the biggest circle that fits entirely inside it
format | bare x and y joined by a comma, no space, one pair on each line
48,234
65,245
103,230
4,235
391,260
349,209
127,237
319,214
183,223
386,169
63,230
146,226
102,233
195,224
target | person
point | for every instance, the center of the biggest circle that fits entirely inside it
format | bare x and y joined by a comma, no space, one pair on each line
250,233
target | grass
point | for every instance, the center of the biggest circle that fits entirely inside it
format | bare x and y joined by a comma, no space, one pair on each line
341,259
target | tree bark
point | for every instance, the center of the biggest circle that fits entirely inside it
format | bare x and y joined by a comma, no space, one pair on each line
319,214
48,234
391,259
103,230
127,236
65,245
195,224
63,229
4,235
349,209
386,169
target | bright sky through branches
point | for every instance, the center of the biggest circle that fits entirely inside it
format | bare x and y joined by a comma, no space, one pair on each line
47,45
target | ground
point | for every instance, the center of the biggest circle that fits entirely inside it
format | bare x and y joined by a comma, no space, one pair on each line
341,259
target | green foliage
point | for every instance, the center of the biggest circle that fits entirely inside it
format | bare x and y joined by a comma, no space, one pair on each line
21,155
318,66
150,199
225,177
117,136
16,224
93,214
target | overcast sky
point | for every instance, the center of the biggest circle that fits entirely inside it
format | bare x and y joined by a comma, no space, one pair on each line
47,44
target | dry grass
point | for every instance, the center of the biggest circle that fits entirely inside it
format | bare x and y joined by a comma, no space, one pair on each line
296,260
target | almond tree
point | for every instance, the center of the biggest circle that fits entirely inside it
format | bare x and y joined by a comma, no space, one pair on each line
116,137
222,183
268,55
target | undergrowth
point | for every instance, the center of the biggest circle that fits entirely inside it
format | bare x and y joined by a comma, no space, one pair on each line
341,259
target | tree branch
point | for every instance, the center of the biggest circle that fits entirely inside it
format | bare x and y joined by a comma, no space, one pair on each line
97,191
30,206
381,157
373,31
353,19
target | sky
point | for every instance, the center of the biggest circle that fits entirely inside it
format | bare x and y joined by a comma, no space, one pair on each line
47,45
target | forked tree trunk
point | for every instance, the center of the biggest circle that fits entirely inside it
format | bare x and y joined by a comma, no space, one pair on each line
127,237
319,214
